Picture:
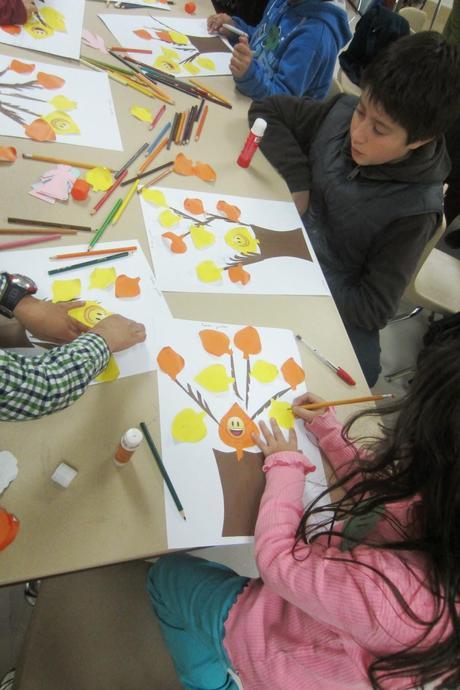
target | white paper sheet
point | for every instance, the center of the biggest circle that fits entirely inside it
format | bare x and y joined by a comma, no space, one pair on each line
152,4
199,478
80,110
55,29
265,230
149,308
194,54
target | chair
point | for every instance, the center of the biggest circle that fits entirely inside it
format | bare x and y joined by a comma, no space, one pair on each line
345,84
334,88
417,18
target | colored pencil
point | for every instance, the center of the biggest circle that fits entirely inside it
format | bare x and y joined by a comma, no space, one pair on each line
126,201
107,65
210,91
25,243
179,128
162,468
105,224
341,373
349,401
157,117
62,161
119,49
147,172
186,125
36,231
200,110
28,221
84,264
190,123
153,155
172,130
131,160
157,139
155,180
95,252
109,192
201,123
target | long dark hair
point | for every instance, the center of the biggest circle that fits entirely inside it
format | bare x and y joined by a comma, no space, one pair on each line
416,457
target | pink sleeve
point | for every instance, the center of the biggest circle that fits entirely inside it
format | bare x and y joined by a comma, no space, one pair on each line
12,12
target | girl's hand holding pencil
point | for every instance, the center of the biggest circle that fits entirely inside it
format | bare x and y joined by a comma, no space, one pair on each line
307,399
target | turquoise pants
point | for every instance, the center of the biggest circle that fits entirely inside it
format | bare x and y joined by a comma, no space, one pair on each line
191,598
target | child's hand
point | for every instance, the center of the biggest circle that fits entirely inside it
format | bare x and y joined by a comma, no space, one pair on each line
306,399
274,439
241,58
215,22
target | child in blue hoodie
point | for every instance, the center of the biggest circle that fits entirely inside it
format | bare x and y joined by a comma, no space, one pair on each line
291,51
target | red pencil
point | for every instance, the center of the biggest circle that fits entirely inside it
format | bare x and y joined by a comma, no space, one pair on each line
201,123
119,49
157,117
110,191
24,243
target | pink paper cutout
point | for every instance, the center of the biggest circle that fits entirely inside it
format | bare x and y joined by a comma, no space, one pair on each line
93,41
56,183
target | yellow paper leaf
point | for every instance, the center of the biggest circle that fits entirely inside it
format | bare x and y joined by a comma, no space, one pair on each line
208,272
191,68
166,64
53,18
38,30
242,240
154,196
167,219
99,178
110,373
61,122
141,113
188,426
282,412
102,277
178,38
205,63
201,237
214,378
169,53
63,103
90,313
263,371
65,290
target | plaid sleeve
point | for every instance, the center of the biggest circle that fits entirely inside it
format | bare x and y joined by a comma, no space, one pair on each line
2,282
31,387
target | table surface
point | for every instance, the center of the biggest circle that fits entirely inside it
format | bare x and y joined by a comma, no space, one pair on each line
109,515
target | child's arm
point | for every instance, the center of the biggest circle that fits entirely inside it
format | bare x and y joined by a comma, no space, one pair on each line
292,126
14,11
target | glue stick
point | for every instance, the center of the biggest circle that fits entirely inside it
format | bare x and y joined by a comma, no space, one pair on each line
128,444
252,142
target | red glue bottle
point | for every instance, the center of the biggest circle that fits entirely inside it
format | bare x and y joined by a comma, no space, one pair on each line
252,142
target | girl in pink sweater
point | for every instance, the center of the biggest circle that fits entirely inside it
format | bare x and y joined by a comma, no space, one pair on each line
370,598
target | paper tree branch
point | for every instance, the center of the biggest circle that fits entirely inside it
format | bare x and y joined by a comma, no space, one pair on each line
267,404
197,397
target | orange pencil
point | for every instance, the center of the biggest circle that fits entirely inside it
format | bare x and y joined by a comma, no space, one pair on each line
348,401
119,49
153,155
95,252
201,123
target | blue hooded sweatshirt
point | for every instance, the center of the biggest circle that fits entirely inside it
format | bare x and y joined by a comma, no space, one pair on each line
295,48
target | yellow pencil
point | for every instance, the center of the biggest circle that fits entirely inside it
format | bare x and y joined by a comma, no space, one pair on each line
153,155
348,401
208,90
179,128
63,161
161,95
126,201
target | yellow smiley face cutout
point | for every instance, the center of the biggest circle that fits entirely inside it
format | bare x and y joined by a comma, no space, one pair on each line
235,426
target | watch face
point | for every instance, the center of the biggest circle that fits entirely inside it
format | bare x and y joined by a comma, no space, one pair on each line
23,282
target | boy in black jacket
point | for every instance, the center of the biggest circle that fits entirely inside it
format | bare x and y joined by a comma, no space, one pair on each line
367,176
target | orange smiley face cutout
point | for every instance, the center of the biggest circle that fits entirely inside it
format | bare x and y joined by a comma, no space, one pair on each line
236,429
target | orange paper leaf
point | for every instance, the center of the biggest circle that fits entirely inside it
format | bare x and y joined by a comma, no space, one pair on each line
50,81
8,153
194,206
21,67
164,36
177,245
236,429
12,29
237,274
232,212
247,340
142,33
183,165
170,362
293,373
126,286
40,130
215,342
205,172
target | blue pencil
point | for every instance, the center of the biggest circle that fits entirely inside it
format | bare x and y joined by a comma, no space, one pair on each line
157,139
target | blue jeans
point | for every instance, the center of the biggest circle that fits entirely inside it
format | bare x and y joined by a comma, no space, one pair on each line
191,598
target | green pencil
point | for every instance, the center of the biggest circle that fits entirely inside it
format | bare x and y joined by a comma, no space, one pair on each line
162,469
105,224
83,264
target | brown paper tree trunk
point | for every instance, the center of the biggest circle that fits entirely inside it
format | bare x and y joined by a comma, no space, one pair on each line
243,484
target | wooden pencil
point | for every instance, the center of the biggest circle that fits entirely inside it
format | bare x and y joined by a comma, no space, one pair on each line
179,128
95,252
172,132
36,231
108,219
126,201
131,160
157,117
210,91
201,123
147,172
40,223
61,161
25,243
155,180
84,264
153,155
109,192
348,401
119,49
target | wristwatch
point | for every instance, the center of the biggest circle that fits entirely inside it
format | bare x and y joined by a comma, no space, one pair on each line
17,286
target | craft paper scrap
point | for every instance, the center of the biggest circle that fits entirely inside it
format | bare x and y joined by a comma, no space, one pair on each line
153,4
141,113
100,178
8,469
8,154
180,46
127,287
55,27
49,102
93,41
55,184
205,242
102,278
149,307
211,403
